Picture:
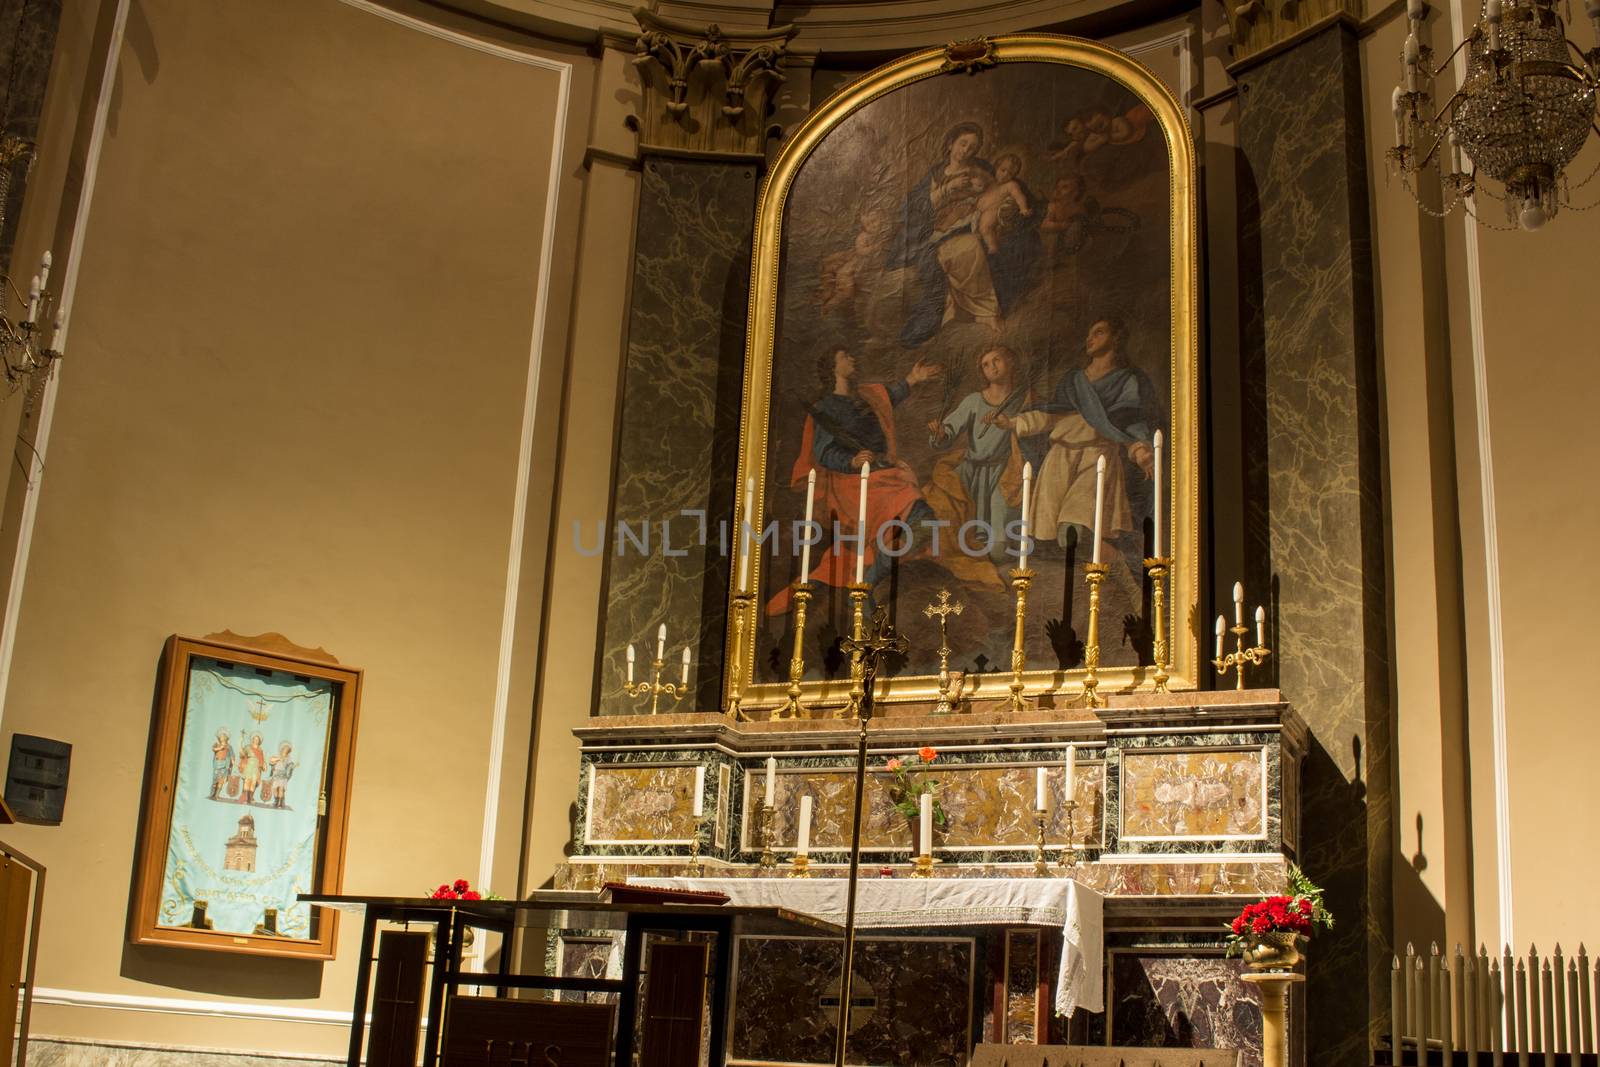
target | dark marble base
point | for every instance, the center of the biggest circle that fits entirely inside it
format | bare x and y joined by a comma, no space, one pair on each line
1166,1000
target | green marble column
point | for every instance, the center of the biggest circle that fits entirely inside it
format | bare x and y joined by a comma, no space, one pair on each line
679,426
1314,533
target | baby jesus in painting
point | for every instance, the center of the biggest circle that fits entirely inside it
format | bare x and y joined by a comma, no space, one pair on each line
1005,190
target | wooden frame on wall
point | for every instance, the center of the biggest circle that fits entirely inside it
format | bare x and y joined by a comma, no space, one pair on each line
246,797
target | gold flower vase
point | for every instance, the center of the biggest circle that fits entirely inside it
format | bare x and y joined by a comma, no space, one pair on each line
1278,950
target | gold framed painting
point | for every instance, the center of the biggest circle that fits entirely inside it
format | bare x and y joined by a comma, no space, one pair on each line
973,266
246,795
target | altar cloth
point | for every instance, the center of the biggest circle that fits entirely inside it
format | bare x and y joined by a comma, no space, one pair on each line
915,902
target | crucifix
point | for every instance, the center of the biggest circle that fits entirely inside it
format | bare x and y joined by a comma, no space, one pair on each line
869,649
945,608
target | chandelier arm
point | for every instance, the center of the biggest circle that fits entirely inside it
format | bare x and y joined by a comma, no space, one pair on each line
1451,58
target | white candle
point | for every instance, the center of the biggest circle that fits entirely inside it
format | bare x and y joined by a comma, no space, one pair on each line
1070,791
925,813
805,538
1221,625
772,780
1238,603
661,642
1493,13
1398,100
699,790
1038,789
61,325
803,845
1413,54
33,299
1099,501
44,271
685,664
745,521
861,528
1027,496
1155,531
630,664
1261,626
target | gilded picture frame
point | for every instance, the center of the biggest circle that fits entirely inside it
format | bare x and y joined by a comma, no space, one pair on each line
763,684
246,798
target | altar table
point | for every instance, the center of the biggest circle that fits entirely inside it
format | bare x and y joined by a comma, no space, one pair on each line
901,903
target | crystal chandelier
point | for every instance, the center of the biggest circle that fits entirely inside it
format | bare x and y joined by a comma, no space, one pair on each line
24,357
1522,112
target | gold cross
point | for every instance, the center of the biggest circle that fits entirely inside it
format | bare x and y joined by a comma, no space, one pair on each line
946,608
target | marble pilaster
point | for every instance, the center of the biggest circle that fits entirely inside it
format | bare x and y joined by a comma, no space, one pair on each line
1313,479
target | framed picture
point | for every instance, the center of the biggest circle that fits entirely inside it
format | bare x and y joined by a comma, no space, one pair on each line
973,262
246,794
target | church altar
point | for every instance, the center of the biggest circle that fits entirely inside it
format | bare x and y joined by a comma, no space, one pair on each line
1186,807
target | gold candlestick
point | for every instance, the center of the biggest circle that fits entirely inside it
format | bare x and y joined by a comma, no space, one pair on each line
1069,851
1019,582
694,868
1041,869
945,608
1236,659
1158,568
769,860
800,866
1094,574
792,707
655,687
922,867
858,623
742,603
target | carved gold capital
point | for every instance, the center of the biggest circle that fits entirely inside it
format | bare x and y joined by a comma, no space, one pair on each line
706,90
1258,26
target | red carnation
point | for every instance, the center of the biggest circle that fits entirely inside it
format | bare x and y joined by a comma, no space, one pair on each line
462,885
471,894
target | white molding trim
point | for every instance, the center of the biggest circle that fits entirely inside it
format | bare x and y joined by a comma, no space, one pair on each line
1183,38
1491,553
519,503
216,1009
47,403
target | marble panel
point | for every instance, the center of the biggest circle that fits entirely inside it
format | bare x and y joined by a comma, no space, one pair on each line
640,803
52,1052
1314,499
786,996
679,425
1176,795
1021,1023
1165,1000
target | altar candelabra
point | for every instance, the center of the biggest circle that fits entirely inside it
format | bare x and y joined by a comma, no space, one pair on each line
1070,850
1094,574
1241,655
1158,567
655,687
743,604
858,607
1040,867
800,866
695,868
943,610
791,707
1019,582
769,859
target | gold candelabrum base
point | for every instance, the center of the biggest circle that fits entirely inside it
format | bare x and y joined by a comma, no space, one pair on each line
1069,851
1158,567
791,706
1240,655
655,687
800,866
743,604
1019,582
942,611
1041,869
694,868
858,625
769,860
922,867
1094,574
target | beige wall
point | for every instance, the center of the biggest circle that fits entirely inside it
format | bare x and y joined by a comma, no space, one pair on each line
309,303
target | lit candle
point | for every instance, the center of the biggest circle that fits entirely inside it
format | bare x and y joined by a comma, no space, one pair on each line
33,299
1221,625
630,664
1155,529
803,844
1070,791
772,780
1027,496
1238,603
1038,789
661,642
861,528
745,521
699,791
805,538
1261,626
685,664
44,271
925,813
1099,501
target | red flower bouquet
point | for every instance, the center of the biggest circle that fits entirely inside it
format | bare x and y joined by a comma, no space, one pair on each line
460,889
1282,919
905,789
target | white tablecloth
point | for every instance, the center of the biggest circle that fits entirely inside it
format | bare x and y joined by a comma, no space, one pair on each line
909,903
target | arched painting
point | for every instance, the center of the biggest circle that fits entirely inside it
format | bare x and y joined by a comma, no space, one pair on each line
969,266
